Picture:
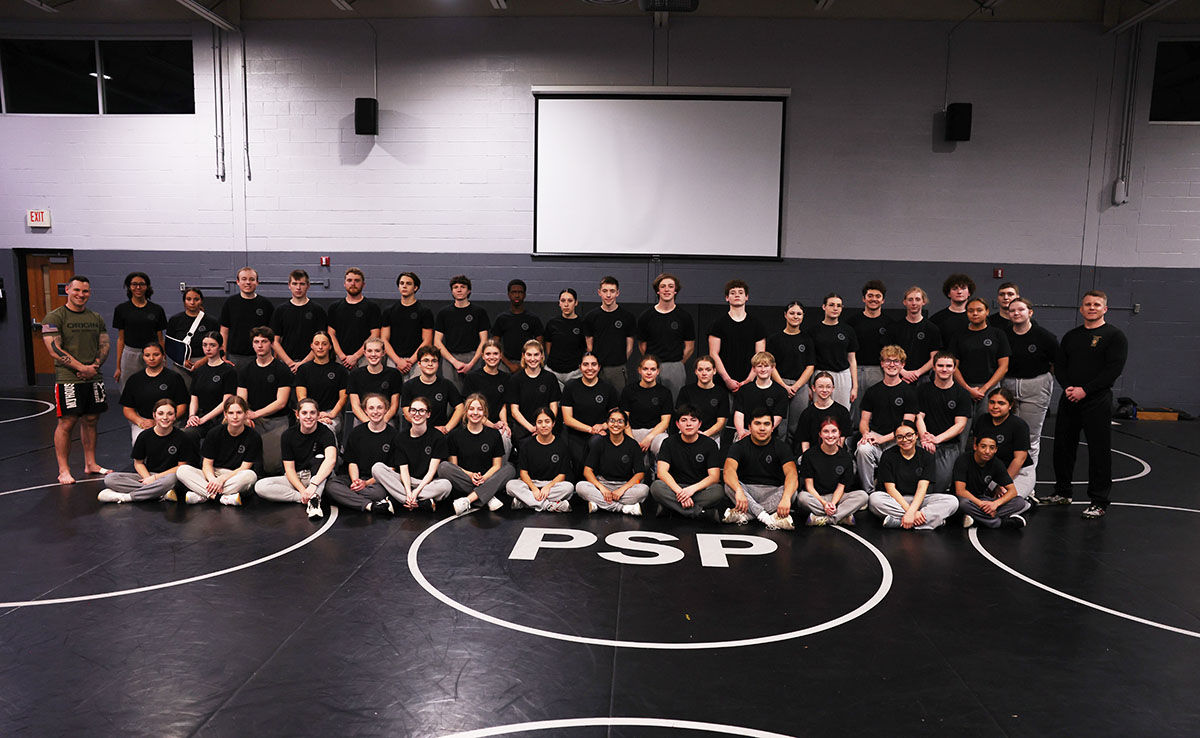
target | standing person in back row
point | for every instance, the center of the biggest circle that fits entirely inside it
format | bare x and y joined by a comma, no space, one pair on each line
667,332
352,320
1030,368
296,321
242,313
735,337
516,326
952,319
77,339
407,325
609,330
835,347
871,329
139,322
459,332
1090,359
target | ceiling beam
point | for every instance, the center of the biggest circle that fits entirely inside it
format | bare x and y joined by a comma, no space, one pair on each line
1139,17
207,14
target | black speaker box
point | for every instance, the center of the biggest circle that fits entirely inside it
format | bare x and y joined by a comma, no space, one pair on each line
958,122
366,116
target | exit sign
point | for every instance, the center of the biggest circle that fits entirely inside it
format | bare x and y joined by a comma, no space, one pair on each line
37,218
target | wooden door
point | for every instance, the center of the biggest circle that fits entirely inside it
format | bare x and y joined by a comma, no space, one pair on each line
46,278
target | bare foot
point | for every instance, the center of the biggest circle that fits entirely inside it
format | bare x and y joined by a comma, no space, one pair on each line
66,478
96,470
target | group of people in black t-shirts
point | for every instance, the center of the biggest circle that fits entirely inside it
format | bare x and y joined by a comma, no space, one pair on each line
916,418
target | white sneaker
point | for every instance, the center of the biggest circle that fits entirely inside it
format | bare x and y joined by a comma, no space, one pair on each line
170,496
768,520
592,507
193,498
635,509
733,517
107,495
561,506
494,504
314,508
968,521
234,499
784,523
462,505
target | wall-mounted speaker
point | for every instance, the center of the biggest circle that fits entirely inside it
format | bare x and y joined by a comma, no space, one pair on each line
366,116
958,122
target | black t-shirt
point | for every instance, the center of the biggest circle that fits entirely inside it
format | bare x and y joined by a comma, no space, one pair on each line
514,330
793,353
567,343
353,322
1011,436
902,472
363,382
407,324
827,470
589,405
919,340
950,323
323,382
295,326
543,462
179,324
1032,353
761,464
750,397
712,404
833,344
942,406
616,463
262,384
985,481
365,447
475,451
1001,321
872,335
230,452
460,327
808,427
688,463
529,393
443,398
737,342
307,450
143,390
420,451
240,316
491,386
646,405
210,384
979,353
609,332
160,453
665,333
141,324
889,405
1091,358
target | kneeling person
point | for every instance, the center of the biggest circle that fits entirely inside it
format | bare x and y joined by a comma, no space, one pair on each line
906,471
613,472
760,475
309,452
157,454
986,493
689,470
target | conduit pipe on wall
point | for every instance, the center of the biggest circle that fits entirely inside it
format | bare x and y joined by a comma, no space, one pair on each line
1120,192
219,101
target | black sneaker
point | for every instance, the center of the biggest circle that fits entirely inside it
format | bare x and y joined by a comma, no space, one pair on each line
382,507
427,505
713,514
1054,500
1093,512
1013,521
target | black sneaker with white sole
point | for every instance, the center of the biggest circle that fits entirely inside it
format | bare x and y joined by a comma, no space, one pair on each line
1093,512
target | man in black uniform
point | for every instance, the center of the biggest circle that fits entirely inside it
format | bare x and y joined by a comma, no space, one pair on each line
266,386
1090,359
667,332
242,313
689,470
296,321
609,329
353,320
516,326
952,319
871,328
407,324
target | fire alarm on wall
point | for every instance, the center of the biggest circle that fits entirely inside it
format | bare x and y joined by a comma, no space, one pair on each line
997,272
324,261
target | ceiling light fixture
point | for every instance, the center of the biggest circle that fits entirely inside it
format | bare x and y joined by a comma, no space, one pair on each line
342,4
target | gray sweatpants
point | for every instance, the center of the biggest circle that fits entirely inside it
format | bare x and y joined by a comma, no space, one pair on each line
796,406
614,375
193,478
936,506
1033,399
437,489
590,492
517,488
866,458
279,489
704,499
1015,506
867,375
943,465
852,500
130,363
461,486
338,489
130,483
672,375
450,373
271,429
760,497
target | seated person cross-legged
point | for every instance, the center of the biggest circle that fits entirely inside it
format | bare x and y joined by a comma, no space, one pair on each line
476,467
885,405
366,445
231,451
945,411
309,451
760,476
411,475
986,493
543,463
614,470
1012,439
906,471
157,455
827,481
689,470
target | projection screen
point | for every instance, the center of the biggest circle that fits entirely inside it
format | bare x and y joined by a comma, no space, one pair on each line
659,171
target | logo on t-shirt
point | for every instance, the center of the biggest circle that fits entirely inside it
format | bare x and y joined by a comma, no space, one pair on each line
386,448
987,479
599,399
412,316
524,326
841,336
1031,348
654,400
358,313
468,317
714,402
554,458
882,330
308,315
802,348
484,447
270,377
172,450
674,325
951,404
769,459
899,401
162,387
331,375
618,324
439,397
839,470
699,458
542,388
575,331
241,449
216,378
920,335
999,438
258,312
624,458
920,470
429,450
500,389
987,342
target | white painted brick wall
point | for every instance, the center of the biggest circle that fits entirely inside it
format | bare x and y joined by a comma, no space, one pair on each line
451,170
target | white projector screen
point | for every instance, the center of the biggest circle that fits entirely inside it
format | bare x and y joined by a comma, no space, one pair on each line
696,175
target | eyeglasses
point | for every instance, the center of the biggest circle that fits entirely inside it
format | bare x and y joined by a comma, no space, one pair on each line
616,421
418,411
905,436
890,361
137,284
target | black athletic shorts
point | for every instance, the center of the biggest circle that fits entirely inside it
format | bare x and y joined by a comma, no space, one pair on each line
80,398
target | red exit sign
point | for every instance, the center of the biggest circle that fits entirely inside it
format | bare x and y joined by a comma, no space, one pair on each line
37,218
